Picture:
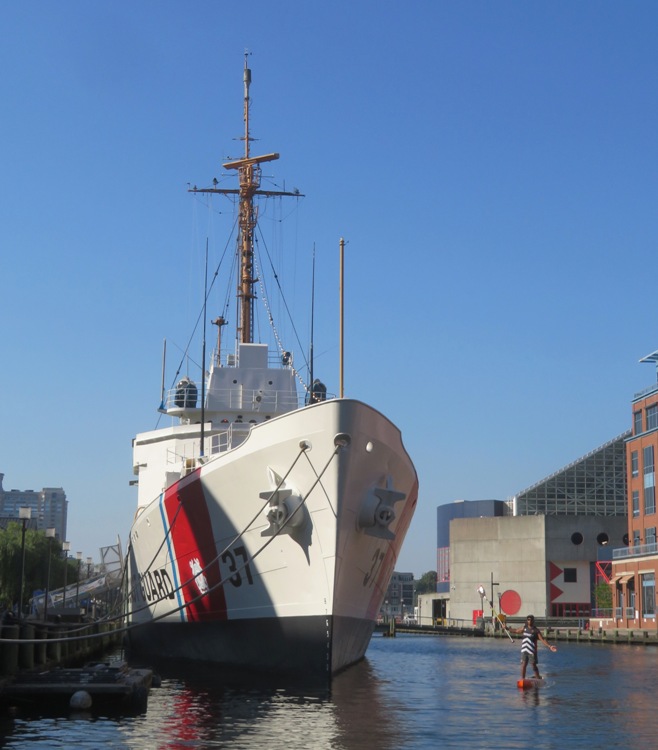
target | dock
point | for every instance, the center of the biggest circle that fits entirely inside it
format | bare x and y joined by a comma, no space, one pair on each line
114,687
553,633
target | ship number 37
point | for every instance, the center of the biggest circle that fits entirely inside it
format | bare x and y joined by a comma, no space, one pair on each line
237,562
375,567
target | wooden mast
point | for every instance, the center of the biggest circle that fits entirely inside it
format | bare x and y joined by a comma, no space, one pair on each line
249,177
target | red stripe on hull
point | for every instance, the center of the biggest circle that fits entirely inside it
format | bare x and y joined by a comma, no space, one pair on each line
195,549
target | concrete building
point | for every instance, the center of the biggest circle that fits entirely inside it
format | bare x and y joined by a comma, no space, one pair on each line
543,551
432,609
445,514
635,567
543,564
49,507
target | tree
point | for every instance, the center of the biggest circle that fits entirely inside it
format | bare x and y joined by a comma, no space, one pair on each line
603,595
427,583
37,547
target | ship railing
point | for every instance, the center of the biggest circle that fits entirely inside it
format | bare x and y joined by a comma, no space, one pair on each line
630,613
234,434
186,399
275,359
186,457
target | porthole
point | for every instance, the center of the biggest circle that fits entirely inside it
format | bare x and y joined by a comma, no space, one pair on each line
602,539
625,540
577,537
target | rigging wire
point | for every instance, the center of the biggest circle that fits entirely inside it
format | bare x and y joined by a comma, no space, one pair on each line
199,317
283,298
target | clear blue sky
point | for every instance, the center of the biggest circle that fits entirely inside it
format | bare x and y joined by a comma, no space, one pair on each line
493,167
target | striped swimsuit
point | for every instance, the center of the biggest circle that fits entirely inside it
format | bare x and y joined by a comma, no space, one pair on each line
529,642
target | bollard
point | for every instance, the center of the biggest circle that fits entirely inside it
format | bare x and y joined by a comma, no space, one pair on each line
40,652
54,647
26,650
9,651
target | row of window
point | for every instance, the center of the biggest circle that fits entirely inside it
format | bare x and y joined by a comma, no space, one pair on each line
650,419
566,609
648,590
649,474
649,501
649,536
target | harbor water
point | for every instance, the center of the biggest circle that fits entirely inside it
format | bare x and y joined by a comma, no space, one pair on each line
412,692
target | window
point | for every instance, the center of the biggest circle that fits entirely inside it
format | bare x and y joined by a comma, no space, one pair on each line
636,538
570,575
637,422
649,481
652,417
636,503
635,464
647,456
650,535
575,609
443,565
648,595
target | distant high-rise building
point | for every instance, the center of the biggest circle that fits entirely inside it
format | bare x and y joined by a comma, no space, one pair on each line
49,507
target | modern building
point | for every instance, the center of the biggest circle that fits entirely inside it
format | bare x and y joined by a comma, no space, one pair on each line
541,564
445,514
49,507
546,550
594,485
635,565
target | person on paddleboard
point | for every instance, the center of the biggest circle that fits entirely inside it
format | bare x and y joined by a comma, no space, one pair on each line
529,640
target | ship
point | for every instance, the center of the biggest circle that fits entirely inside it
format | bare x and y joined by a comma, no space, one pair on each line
270,514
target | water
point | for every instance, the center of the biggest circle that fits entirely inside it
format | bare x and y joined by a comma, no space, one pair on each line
412,692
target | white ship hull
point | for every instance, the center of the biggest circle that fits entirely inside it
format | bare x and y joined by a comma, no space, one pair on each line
275,555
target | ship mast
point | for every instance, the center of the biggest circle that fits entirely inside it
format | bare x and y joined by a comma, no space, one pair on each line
249,177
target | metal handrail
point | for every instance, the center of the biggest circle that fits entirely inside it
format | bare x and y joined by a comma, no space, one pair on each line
635,551
248,400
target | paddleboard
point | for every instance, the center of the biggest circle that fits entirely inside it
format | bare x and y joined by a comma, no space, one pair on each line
530,682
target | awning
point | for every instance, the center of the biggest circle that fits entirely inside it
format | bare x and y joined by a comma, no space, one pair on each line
621,578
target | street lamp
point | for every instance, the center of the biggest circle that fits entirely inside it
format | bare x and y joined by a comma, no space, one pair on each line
66,546
24,514
77,583
50,534
89,561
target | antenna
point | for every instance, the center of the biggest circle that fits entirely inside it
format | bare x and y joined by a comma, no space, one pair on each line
203,357
310,388
246,77
249,178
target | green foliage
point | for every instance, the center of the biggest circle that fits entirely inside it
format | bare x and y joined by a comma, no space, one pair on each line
37,548
427,583
603,595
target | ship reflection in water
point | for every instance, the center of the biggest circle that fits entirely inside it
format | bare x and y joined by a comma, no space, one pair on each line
192,711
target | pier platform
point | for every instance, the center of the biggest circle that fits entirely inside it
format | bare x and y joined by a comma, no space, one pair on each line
114,687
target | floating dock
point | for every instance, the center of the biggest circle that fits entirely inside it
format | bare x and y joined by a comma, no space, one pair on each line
116,687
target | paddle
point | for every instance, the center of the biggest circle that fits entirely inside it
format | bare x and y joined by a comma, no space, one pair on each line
483,594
